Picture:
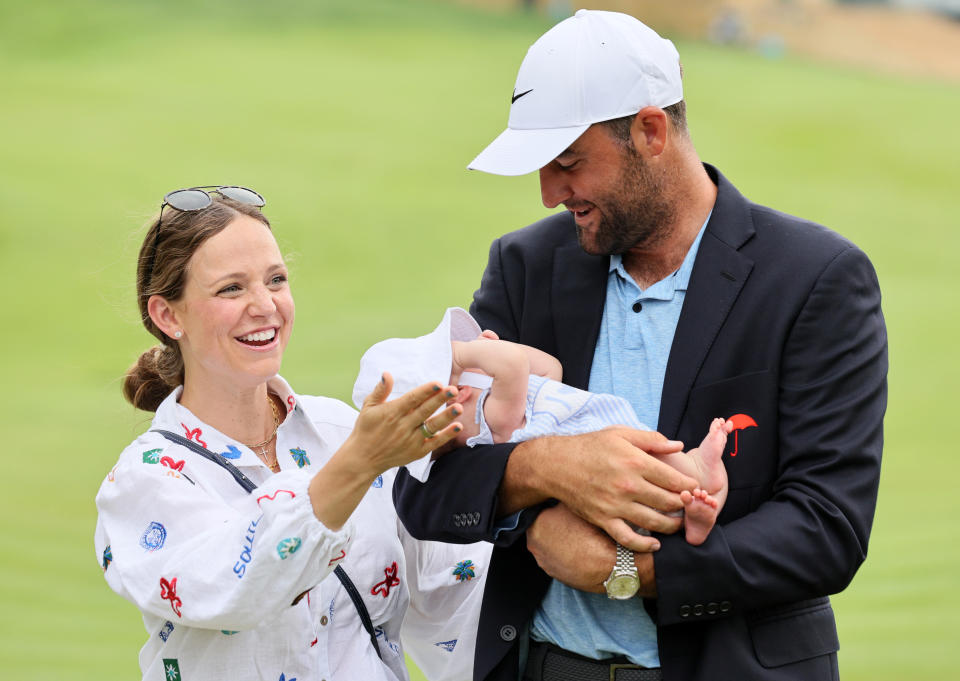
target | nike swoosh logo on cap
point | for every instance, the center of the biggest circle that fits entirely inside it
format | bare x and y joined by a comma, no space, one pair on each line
516,96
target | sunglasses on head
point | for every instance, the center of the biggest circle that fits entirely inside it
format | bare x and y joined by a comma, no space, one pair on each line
197,198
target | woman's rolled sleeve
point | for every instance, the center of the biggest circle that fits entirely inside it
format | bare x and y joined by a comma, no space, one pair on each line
180,551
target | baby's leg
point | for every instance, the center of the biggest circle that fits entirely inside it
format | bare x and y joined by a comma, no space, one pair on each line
702,507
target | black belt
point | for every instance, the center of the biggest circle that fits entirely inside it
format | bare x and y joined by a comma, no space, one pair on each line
547,662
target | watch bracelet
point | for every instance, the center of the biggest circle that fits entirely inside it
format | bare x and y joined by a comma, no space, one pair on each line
624,559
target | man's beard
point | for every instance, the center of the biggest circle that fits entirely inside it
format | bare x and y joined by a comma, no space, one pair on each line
636,213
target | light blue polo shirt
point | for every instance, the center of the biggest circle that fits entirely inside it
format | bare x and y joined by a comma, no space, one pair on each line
630,361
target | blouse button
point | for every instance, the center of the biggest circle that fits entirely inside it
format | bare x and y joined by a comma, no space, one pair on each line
323,621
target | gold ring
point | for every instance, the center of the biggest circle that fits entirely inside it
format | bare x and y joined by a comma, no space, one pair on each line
427,433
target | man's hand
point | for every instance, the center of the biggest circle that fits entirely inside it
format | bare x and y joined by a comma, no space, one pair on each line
608,478
580,555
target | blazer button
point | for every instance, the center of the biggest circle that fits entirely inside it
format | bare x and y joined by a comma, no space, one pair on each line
508,632
684,611
725,606
698,609
712,608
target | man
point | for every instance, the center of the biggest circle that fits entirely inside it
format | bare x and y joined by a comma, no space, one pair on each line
663,284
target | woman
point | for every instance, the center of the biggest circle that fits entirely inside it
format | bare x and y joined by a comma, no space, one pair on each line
223,522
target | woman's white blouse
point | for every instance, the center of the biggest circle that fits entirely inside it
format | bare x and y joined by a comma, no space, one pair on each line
238,586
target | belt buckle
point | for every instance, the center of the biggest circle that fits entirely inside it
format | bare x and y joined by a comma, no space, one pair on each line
614,668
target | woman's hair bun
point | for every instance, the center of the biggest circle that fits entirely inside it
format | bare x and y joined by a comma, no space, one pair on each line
151,378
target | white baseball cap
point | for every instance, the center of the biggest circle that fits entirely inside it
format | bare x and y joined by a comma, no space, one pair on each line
592,67
415,361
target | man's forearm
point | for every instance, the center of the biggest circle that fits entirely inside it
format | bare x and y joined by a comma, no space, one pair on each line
579,554
522,485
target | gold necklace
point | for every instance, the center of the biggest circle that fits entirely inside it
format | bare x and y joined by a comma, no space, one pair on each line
262,446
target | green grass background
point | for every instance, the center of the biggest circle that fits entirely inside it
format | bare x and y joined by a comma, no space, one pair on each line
355,120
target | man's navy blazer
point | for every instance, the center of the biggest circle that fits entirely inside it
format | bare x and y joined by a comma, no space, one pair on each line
782,325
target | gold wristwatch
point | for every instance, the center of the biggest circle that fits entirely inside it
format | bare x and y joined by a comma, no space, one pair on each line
624,581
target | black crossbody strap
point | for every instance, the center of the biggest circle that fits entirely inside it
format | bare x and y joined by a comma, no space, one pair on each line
361,607
248,485
216,458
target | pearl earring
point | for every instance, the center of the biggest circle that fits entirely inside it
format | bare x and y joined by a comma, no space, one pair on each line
178,334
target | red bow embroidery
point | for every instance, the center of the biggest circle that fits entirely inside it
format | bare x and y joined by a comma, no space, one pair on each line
170,463
168,592
194,434
383,588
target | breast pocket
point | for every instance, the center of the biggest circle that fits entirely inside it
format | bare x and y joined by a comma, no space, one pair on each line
750,457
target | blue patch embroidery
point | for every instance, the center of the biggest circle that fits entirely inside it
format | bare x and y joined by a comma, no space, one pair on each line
463,571
227,632
166,631
288,547
153,537
284,678
378,483
107,558
300,456
231,453
447,645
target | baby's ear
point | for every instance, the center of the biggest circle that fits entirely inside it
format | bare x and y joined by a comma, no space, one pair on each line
463,394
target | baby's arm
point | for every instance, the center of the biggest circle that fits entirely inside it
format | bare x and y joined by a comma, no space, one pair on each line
508,364
543,364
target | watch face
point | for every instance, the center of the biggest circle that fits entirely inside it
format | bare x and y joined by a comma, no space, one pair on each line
622,587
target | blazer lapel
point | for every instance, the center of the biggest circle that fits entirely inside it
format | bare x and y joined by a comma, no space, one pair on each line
719,273
578,293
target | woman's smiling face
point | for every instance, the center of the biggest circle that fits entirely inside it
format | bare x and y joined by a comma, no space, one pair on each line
236,312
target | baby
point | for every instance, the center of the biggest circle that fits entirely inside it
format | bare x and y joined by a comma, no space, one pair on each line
512,392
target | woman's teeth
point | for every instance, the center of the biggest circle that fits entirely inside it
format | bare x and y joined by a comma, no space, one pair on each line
259,336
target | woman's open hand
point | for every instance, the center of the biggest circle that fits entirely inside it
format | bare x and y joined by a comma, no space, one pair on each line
385,435
395,433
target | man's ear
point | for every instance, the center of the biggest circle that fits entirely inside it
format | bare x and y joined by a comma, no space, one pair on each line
648,132
163,315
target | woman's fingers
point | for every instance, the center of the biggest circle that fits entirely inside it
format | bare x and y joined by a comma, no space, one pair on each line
441,437
425,398
380,391
444,420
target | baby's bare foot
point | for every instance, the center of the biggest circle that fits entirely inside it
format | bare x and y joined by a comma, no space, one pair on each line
702,506
713,476
700,511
